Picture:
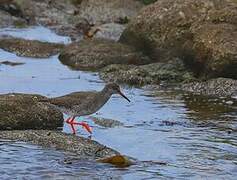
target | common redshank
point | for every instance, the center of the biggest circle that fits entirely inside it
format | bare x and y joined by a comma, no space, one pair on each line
84,103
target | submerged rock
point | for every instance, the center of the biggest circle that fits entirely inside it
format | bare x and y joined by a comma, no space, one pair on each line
216,87
30,48
201,32
11,63
172,71
117,160
98,53
108,123
23,111
206,111
82,147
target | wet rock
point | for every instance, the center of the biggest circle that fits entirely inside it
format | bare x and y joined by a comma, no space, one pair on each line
117,160
108,123
201,32
82,147
10,63
111,31
23,111
217,87
30,48
206,111
172,71
104,11
97,53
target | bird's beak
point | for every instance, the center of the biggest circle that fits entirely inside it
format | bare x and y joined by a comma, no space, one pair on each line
123,96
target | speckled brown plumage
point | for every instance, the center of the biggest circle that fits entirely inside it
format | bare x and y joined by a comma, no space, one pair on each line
84,103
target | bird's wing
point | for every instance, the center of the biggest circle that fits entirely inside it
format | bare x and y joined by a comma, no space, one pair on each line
73,99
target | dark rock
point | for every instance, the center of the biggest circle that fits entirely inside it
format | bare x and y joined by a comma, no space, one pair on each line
98,53
108,123
217,87
146,2
201,32
205,111
23,111
30,48
172,71
82,147
10,63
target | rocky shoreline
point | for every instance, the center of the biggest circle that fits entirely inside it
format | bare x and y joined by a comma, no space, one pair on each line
165,42
161,42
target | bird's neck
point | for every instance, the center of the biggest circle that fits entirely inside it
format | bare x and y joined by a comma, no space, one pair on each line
105,94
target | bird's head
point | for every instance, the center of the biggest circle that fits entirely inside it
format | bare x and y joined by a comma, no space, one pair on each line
114,88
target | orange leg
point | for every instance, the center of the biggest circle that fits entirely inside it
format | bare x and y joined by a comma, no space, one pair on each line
83,124
68,120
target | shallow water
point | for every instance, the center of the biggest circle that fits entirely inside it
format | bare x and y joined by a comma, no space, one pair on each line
196,136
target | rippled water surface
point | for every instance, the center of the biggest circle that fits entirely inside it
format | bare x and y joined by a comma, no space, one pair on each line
196,136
